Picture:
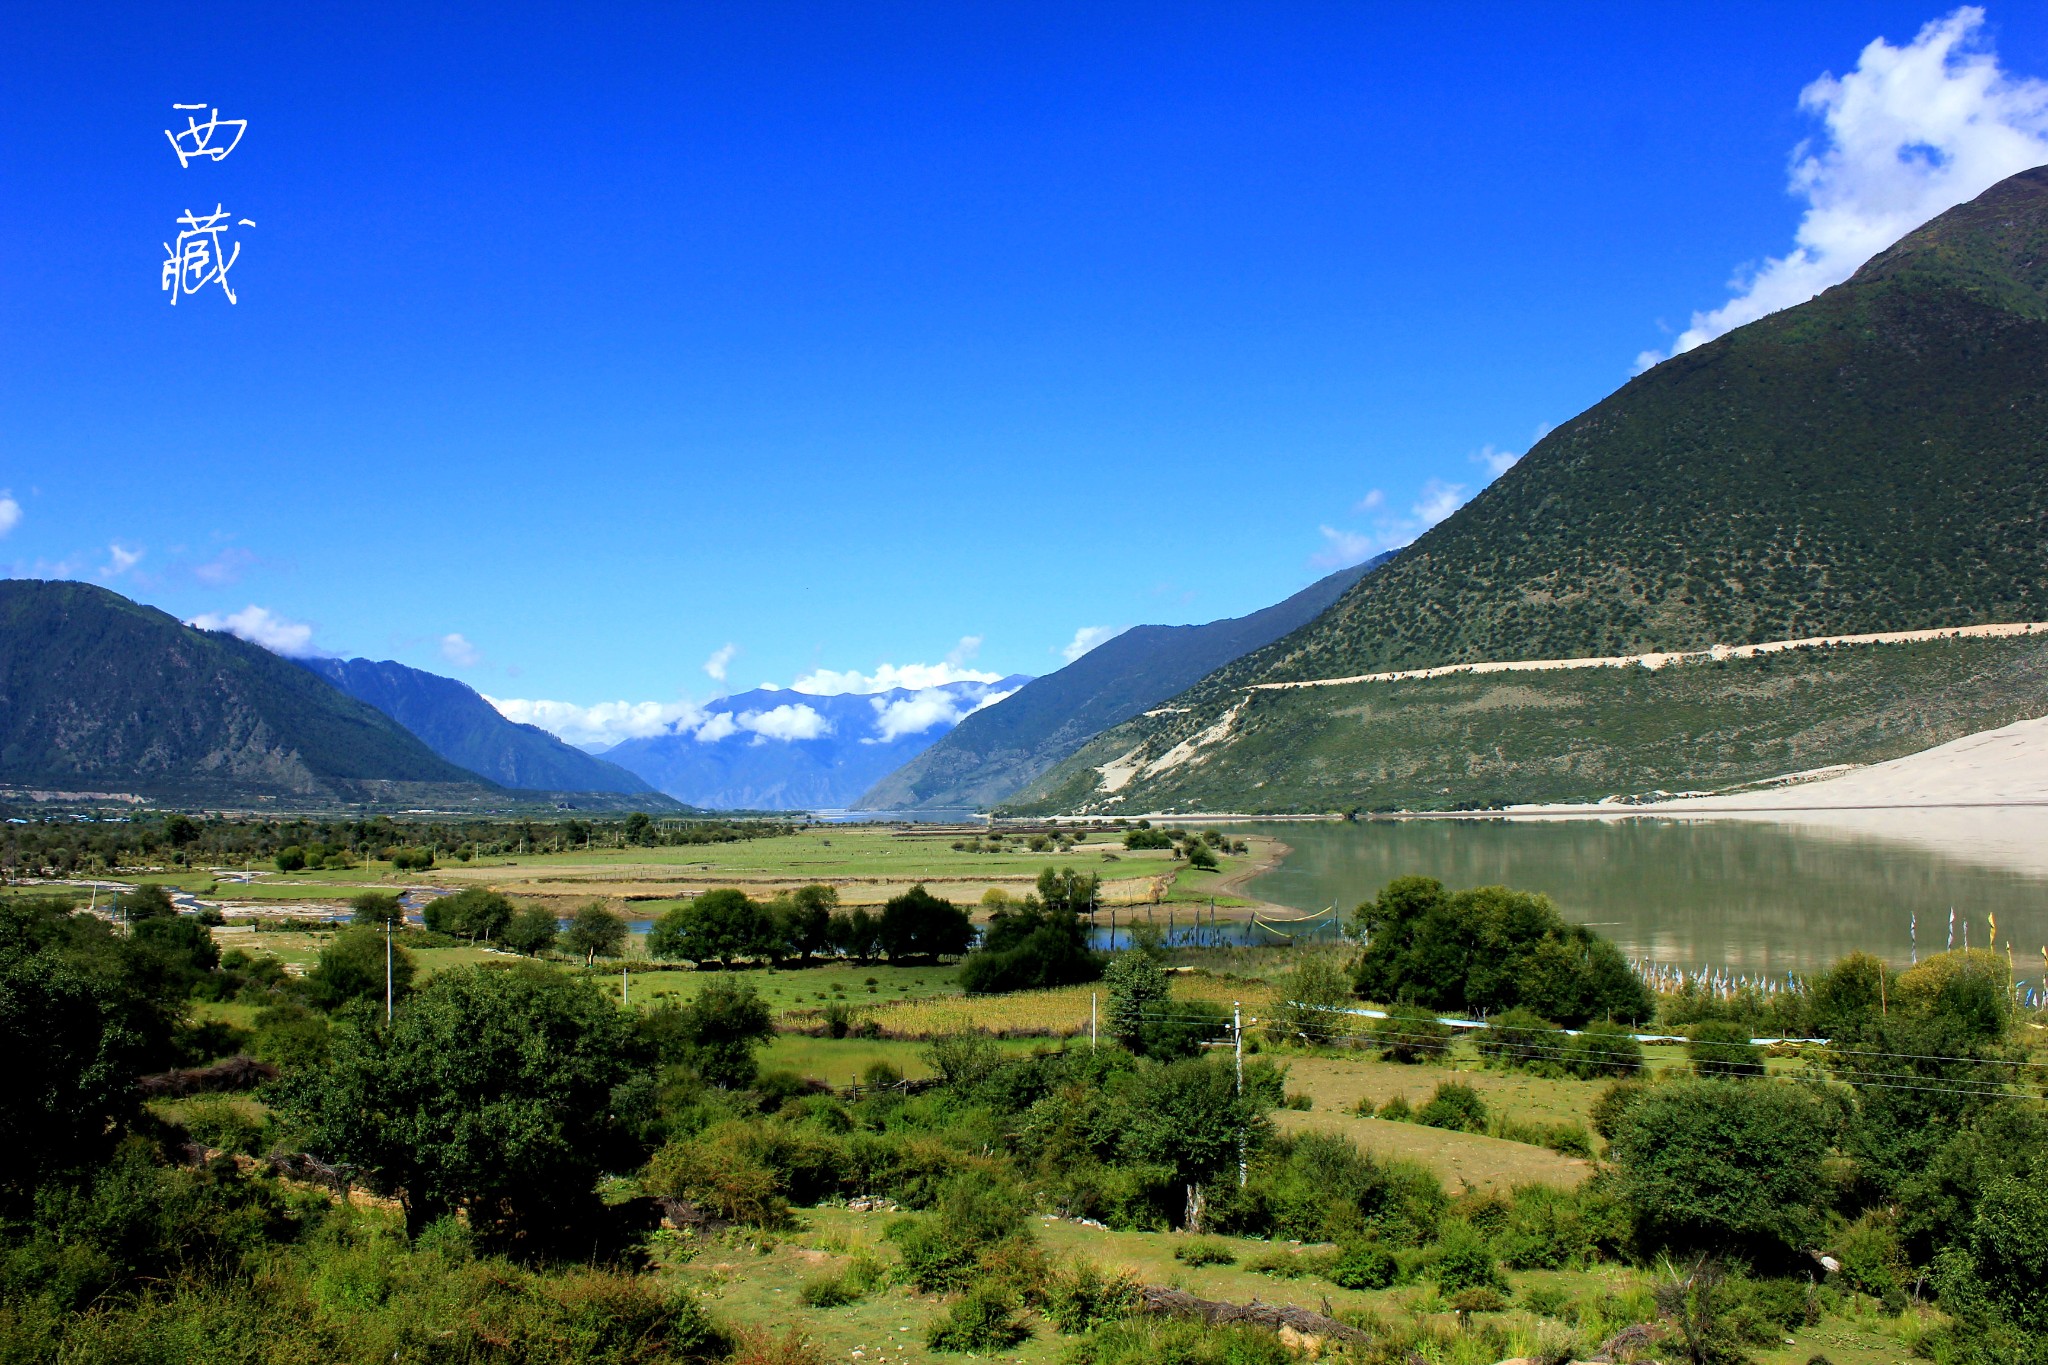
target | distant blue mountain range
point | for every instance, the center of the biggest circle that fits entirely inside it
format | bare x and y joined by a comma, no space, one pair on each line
454,720
774,749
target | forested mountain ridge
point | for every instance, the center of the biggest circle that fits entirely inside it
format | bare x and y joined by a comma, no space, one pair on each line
1874,459
100,692
994,752
456,722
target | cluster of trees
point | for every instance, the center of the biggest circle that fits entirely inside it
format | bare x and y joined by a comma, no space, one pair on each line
50,846
1491,949
1198,847
727,926
1036,942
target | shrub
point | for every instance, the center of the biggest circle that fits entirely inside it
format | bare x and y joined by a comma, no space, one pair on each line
1397,1109
1201,1251
1409,1034
1522,1038
984,1320
1456,1106
973,1214
1603,1049
1364,1265
1179,1341
1462,1260
1722,1048
1084,1296
715,1171
1713,1164
1613,1103
1872,1260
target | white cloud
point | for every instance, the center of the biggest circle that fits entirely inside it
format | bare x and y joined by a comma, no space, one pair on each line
717,727
261,626
1342,549
225,568
1370,501
1911,132
1495,462
1085,639
721,659
120,559
920,711
10,512
826,682
459,651
607,722
965,651
786,722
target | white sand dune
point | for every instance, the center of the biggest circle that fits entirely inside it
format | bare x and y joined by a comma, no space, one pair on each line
1982,798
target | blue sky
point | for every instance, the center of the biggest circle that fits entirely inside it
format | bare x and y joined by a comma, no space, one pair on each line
579,348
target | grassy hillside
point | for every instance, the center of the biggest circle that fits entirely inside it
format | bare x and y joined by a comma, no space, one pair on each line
993,753
1577,735
1874,459
100,692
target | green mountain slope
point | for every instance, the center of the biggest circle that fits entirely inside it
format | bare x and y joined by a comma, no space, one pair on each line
101,693
1875,459
993,753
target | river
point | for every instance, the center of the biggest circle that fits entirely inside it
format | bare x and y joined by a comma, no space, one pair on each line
1751,896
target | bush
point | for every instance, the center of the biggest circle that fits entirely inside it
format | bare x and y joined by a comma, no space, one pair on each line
1395,1110
1603,1049
1179,1341
1201,1251
1462,1260
1364,1265
984,1320
973,1215
1522,1038
1721,1048
1409,1034
1084,1296
1455,1106
1612,1104
1713,1165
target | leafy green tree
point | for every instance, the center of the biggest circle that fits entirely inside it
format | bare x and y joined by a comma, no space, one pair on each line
2000,1272
377,908
1489,949
1715,1165
918,926
1200,858
595,932
290,858
489,1093
1188,1116
1031,945
1927,1066
855,933
180,951
714,1033
151,900
1311,1001
718,926
1139,995
351,967
77,1032
1067,889
803,919
639,829
473,913
532,930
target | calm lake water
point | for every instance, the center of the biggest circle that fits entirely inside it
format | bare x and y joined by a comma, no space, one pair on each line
1747,895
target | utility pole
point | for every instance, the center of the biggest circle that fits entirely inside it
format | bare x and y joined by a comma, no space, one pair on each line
625,987
387,969
1237,1036
1091,1021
